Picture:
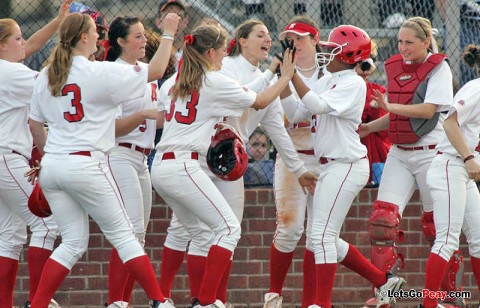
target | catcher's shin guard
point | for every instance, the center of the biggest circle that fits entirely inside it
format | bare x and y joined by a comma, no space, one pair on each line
452,281
383,232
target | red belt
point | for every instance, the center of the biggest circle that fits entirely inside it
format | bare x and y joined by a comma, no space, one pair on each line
171,155
136,148
430,147
306,152
83,153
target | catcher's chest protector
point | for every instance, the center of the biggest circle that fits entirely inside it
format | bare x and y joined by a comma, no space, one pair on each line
407,84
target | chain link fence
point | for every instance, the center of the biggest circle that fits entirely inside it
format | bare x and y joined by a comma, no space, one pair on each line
457,21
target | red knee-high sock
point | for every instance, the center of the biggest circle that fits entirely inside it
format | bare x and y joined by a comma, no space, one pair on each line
196,270
171,262
217,262
8,275
308,295
355,261
129,286
325,277
476,269
141,270
117,277
53,275
222,289
36,261
279,264
434,272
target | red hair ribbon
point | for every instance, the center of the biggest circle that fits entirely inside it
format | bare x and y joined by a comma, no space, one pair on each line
189,39
232,44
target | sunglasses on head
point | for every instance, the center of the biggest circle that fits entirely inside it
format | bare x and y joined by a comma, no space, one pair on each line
102,33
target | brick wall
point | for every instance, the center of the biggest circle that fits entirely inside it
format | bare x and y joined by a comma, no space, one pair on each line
86,285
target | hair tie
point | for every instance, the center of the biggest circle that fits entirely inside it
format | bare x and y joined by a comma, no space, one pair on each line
189,39
65,45
233,43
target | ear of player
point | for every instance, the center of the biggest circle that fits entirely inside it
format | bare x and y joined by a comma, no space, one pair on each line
227,157
37,203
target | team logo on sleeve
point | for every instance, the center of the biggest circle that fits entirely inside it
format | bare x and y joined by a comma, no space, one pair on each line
461,102
137,68
245,89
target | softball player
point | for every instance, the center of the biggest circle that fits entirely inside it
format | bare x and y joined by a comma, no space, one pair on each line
252,45
75,177
450,178
337,101
202,97
290,199
135,127
16,88
419,88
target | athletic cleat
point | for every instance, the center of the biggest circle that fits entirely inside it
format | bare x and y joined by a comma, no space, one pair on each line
117,304
394,283
218,304
229,305
454,303
168,303
53,304
438,306
273,300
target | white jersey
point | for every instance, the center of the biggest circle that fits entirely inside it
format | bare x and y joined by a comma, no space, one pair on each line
189,122
83,118
440,93
467,105
335,133
144,134
271,117
16,87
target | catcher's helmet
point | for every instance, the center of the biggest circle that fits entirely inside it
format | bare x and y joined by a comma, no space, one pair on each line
348,43
37,203
226,156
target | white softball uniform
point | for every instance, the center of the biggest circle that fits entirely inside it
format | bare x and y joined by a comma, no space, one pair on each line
404,171
128,159
176,173
75,176
16,87
337,100
456,200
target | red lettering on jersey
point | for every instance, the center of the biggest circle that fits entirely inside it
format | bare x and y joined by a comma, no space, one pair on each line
333,87
143,127
78,114
314,123
154,92
191,108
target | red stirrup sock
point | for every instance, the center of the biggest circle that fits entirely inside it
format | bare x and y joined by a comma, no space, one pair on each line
434,272
309,280
53,275
217,262
117,277
36,261
222,289
196,270
279,265
355,261
8,275
325,277
128,292
141,270
171,262
476,269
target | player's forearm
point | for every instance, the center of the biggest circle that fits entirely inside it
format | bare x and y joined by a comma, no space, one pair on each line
40,38
419,111
159,62
455,136
300,86
126,125
266,97
379,124
39,135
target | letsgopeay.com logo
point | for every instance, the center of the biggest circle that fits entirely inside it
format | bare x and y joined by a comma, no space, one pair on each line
425,293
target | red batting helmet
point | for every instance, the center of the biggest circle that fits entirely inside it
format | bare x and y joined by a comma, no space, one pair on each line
37,203
348,43
226,156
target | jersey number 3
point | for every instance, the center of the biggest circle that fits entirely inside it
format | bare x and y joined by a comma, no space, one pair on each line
77,114
191,107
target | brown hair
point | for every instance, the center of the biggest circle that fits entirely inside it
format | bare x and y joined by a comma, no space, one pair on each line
6,28
195,64
471,56
69,33
308,21
423,30
153,41
243,31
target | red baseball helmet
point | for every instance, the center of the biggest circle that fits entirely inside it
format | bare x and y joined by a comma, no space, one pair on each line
348,43
226,156
37,203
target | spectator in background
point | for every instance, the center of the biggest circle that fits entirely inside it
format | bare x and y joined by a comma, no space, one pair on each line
177,7
260,166
377,143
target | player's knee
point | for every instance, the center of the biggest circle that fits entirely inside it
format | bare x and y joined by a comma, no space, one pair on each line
286,239
384,221
428,227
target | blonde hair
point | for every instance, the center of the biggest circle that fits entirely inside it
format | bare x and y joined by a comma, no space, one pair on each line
69,32
6,28
195,64
423,30
243,31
